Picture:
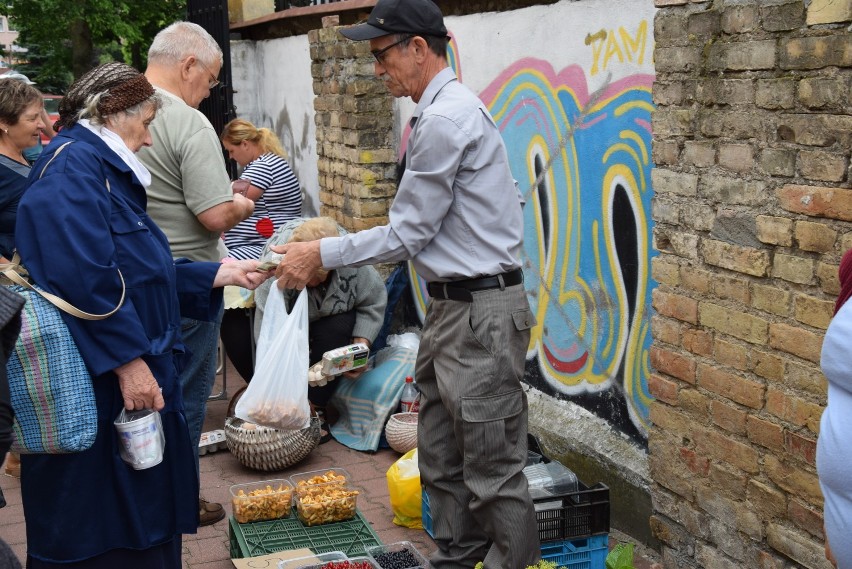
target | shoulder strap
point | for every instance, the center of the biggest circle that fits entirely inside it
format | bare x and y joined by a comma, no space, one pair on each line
11,271
55,154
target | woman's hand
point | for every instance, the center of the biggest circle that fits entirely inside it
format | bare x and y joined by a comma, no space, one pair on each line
139,387
240,273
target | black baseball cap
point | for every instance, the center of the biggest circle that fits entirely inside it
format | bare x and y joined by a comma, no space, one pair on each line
418,17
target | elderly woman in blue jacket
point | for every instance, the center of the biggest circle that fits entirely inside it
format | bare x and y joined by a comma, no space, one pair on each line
81,221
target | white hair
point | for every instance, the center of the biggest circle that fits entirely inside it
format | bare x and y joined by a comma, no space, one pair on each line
180,40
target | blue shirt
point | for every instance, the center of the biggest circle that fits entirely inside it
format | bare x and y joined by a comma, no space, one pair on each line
457,213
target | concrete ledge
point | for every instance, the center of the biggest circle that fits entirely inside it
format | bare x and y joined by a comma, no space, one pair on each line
596,452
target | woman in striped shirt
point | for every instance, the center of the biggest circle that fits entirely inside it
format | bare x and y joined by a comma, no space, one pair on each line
266,179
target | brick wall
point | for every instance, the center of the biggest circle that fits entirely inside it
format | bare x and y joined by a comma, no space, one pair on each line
752,208
355,133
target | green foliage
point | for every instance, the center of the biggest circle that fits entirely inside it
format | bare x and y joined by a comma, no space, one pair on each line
49,70
540,565
74,35
621,557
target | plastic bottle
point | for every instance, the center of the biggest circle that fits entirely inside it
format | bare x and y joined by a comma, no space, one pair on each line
409,401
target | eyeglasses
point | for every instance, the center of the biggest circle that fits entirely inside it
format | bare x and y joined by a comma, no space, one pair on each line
380,54
214,82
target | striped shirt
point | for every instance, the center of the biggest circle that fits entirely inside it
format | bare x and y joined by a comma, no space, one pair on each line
281,201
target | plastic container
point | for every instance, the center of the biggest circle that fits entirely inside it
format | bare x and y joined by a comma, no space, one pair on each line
584,553
322,558
324,496
211,441
550,479
409,401
352,563
304,481
352,537
533,458
399,555
343,359
142,438
262,501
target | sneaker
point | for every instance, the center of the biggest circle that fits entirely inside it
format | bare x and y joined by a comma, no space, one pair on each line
209,512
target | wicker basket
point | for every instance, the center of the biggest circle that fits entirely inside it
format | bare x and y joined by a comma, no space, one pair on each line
401,432
262,448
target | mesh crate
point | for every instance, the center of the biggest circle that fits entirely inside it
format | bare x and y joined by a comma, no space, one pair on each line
567,516
352,537
586,553
573,515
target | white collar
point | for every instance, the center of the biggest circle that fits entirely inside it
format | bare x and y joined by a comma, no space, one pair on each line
117,145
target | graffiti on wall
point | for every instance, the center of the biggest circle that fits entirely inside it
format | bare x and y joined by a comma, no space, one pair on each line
584,162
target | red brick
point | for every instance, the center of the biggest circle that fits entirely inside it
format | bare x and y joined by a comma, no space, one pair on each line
817,201
674,364
676,306
801,447
734,387
722,447
694,462
666,330
795,410
795,340
765,433
698,341
805,517
663,389
728,417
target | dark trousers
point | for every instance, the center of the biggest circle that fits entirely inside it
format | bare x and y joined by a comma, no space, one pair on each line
324,334
327,334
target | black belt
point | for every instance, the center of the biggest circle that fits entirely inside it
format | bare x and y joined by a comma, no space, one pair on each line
462,289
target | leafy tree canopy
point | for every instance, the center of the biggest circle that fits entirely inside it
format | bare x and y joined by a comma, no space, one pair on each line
75,36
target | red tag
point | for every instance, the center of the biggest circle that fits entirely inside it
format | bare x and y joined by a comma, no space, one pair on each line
264,227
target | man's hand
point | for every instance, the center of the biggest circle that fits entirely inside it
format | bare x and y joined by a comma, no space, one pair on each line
245,204
240,273
300,263
139,387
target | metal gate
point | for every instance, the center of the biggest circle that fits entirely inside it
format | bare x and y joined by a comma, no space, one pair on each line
212,15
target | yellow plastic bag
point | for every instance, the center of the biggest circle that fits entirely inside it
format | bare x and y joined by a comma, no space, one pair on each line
405,493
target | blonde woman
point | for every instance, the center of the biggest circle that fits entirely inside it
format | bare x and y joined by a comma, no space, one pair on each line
267,179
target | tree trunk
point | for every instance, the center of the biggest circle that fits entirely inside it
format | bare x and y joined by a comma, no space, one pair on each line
82,48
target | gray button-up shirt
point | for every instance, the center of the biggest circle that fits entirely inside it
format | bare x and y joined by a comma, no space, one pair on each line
457,212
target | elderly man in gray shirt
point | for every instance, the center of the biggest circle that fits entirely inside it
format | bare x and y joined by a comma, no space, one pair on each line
457,215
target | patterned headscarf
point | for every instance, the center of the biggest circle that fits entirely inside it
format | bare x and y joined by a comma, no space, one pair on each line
845,274
123,87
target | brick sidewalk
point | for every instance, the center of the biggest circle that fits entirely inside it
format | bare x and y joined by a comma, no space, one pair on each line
209,548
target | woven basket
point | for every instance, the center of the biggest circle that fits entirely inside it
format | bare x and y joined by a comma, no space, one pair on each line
401,432
262,448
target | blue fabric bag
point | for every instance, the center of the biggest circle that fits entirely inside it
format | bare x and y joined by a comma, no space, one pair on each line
49,385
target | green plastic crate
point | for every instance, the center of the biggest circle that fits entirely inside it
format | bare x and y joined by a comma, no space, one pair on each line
352,537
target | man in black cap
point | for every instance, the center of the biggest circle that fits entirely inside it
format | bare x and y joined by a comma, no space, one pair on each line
457,216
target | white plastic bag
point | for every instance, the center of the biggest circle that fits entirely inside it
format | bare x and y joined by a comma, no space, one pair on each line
277,396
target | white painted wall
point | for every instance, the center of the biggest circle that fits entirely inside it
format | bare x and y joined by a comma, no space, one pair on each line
273,88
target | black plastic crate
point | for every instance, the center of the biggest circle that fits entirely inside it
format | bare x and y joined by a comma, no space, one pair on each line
574,515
